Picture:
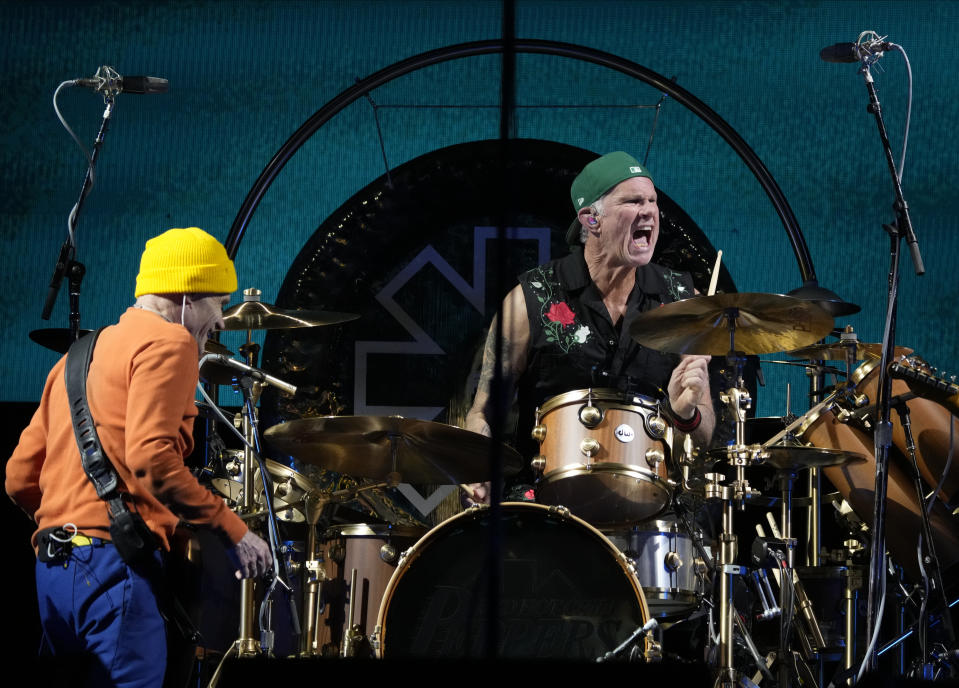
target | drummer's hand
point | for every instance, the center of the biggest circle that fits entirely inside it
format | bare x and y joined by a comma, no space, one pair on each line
689,385
251,556
476,493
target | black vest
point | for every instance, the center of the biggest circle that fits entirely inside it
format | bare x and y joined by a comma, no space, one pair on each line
573,340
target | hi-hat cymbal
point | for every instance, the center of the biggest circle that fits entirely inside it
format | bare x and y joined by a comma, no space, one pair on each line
765,323
836,351
794,458
256,315
214,347
363,446
55,338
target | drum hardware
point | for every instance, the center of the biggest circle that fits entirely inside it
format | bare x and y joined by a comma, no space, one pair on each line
630,642
406,450
767,323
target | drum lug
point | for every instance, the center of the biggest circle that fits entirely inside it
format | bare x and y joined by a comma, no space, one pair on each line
673,561
388,553
538,463
590,415
654,457
375,638
539,433
656,427
589,446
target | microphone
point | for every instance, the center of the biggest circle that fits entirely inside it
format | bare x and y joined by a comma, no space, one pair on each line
853,52
108,82
840,52
250,371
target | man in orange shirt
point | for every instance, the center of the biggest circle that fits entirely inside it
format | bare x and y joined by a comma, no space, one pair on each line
140,388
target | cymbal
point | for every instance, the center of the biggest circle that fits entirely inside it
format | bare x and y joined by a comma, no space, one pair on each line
214,347
827,299
425,451
796,458
836,351
213,372
55,338
256,315
766,323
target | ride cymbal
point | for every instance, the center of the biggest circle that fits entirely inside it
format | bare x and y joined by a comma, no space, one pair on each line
764,323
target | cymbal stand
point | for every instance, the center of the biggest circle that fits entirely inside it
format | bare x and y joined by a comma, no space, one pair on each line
246,642
739,455
931,571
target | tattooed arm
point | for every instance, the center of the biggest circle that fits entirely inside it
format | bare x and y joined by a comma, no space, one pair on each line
514,348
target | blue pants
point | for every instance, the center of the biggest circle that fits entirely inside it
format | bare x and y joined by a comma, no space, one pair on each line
95,608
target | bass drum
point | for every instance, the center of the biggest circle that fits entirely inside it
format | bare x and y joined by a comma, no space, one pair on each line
856,482
567,592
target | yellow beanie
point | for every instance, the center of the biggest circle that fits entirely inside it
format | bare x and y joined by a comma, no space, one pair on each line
185,261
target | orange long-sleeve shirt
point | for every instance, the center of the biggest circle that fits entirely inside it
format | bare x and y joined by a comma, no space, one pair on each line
140,389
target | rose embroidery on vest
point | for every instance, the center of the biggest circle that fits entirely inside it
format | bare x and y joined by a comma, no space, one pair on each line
558,319
560,312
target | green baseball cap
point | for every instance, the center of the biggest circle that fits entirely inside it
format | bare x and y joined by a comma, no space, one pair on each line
597,178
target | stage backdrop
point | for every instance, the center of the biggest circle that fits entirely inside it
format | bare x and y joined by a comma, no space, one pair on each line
245,75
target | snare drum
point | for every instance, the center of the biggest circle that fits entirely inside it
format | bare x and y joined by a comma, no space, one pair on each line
856,482
666,561
604,455
567,592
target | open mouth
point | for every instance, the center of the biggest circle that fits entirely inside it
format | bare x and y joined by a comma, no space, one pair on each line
642,236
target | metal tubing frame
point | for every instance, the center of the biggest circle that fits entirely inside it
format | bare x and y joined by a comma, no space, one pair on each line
524,45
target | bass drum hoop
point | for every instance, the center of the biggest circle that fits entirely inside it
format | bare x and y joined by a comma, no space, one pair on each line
410,556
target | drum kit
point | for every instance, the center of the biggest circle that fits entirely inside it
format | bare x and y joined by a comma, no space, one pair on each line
615,537
614,541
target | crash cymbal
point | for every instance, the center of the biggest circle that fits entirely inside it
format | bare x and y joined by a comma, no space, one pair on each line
795,458
765,323
55,338
425,452
826,299
256,315
836,351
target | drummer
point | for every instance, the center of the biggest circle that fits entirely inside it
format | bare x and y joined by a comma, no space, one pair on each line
566,324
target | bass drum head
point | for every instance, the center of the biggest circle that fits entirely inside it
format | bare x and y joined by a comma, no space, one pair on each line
567,592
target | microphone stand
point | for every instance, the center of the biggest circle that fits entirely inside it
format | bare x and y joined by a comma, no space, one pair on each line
901,229
66,264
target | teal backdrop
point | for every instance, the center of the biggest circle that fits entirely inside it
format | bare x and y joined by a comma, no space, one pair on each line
245,75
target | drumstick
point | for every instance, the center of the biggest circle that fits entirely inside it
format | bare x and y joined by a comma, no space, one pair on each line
715,277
